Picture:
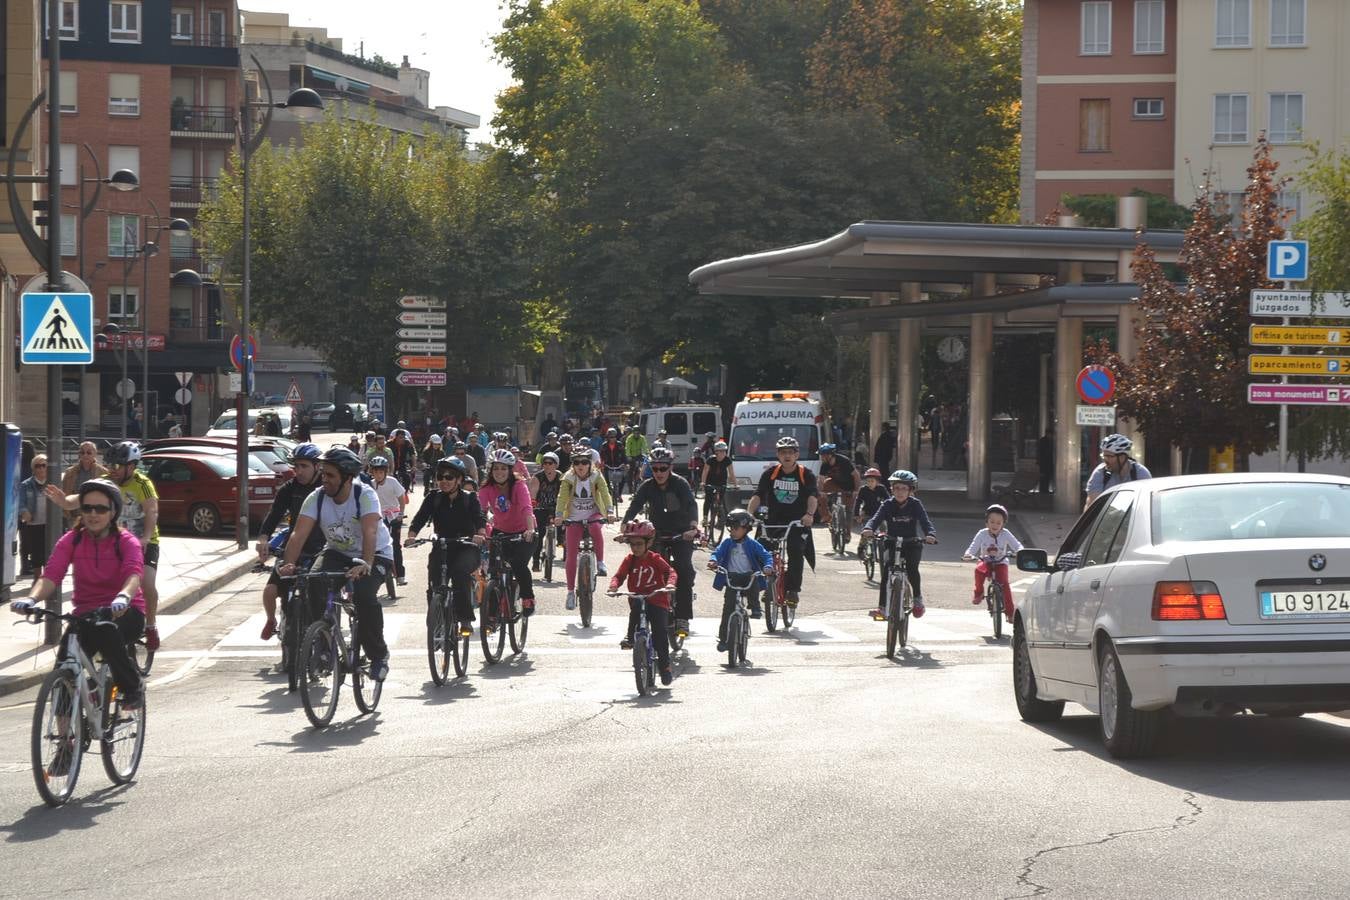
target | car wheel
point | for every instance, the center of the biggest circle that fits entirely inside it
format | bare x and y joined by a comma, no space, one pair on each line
1127,732
1029,706
204,519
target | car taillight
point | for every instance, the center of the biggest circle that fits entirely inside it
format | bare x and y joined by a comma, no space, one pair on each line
1181,600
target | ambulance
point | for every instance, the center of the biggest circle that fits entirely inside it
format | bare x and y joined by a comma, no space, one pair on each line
763,417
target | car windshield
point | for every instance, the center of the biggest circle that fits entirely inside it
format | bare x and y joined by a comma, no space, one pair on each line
759,442
1254,510
224,466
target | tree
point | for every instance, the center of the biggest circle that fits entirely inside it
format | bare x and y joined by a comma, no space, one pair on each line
1099,210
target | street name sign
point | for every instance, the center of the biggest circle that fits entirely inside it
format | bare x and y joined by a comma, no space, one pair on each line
57,329
1298,394
420,362
419,347
421,379
412,301
1332,304
1103,416
422,318
421,334
1299,335
1269,364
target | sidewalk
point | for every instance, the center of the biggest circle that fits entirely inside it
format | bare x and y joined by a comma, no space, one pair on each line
189,569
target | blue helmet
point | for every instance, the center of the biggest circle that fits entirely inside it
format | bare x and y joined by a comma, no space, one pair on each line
827,448
307,451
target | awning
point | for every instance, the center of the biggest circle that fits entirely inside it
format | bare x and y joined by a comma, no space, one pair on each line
338,81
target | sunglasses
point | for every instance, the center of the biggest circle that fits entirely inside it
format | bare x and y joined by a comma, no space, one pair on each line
582,462
39,465
549,462
447,477
660,468
94,508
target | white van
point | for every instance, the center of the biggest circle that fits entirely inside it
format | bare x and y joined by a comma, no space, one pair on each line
760,420
686,426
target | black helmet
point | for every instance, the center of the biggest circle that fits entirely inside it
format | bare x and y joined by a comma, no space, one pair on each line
582,456
347,462
453,463
741,518
123,453
104,486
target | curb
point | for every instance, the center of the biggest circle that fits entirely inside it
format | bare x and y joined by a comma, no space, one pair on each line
12,684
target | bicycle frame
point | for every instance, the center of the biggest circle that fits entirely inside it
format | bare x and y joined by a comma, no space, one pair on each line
897,568
72,658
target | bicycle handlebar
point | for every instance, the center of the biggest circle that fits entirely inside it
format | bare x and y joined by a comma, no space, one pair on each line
36,614
417,542
664,590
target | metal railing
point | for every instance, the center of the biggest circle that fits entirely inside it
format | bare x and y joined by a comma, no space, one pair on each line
202,119
205,39
193,190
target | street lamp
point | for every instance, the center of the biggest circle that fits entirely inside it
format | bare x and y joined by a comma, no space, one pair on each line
122,180
178,226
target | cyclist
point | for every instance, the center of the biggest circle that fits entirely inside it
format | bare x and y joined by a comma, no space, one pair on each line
454,513
670,504
348,515
544,488
1116,466
903,516
583,498
461,452
570,446
635,450
375,446
507,497
993,541
740,555
430,454
108,563
402,458
613,456
788,492
393,498
870,496
837,475
286,504
715,473
140,516
550,445
646,572
661,440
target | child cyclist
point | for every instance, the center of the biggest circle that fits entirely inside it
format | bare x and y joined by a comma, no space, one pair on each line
507,497
903,516
740,555
583,498
870,496
993,542
646,572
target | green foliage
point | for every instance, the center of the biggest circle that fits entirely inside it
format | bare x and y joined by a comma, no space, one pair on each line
1099,210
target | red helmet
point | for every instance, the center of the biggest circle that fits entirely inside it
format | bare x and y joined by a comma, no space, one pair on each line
639,528
873,472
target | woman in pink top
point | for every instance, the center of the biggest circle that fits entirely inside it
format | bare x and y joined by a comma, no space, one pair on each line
108,565
506,498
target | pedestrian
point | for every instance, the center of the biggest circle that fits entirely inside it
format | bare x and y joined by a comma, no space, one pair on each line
935,430
884,450
302,431
1045,459
86,468
34,508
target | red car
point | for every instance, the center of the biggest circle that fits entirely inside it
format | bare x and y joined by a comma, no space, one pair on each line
197,490
270,451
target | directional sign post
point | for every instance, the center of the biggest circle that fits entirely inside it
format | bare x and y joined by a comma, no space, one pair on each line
57,329
420,362
421,334
1298,394
1269,364
1299,335
422,318
421,379
420,302
420,347
1300,304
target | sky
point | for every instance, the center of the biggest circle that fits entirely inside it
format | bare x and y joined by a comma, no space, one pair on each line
448,38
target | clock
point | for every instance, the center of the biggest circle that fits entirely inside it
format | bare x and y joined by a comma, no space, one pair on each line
951,349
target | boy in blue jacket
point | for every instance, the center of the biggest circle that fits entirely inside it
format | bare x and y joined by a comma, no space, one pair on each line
902,516
740,555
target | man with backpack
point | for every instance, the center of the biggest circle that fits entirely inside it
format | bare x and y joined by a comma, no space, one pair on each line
1116,466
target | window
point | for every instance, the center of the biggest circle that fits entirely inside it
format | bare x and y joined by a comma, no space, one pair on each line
180,244
705,423
1148,107
1288,23
123,235
68,244
180,307
180,27
1229,203
124,21
1232,23
1230,118
124,95
1109,538
120,306
1293,202
69,28
1096,28
1148,26
70,171
676,423
70,92
215,27
1286,118
1094,126
124,158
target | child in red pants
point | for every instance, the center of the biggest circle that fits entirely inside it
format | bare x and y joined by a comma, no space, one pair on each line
992,546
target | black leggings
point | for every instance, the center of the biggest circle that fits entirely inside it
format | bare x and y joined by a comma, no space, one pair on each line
517,556
110,638
368,609
912,553
658,619
711,491
795,550
463,561
729,603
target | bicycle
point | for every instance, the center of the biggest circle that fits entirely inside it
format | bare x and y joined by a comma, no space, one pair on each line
993,600
502,615
715,522
390,580
738,623
615,476
868,553
77,680
644,646
586,573
446,640
292,616
663,546
839,524
142,657
549,536
898,614
326,657
775,596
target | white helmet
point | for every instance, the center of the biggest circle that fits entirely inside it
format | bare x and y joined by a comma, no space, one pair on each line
1117,443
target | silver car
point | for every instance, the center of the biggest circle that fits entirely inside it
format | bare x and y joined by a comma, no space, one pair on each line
1205,595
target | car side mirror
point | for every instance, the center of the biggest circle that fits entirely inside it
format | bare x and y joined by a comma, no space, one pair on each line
1068,561
1032,560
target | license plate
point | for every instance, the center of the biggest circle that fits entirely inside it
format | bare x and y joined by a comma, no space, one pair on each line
262,492
1296,602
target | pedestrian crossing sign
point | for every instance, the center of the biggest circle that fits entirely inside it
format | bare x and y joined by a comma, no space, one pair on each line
57,329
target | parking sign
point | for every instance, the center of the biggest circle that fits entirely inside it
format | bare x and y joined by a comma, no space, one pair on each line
1287,261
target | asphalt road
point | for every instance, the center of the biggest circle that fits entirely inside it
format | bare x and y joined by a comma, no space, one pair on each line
823,770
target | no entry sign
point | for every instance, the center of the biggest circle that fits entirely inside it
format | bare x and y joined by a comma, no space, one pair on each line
1096,384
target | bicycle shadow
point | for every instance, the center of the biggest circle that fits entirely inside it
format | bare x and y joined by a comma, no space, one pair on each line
509,667
574,631
456,690
346,733
746,669
660,696
78,814
278,700
914,658
806,638
1004,641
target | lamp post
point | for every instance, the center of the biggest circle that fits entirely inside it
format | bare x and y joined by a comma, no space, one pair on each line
175,225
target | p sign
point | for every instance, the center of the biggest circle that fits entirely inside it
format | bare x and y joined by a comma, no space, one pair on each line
1287,261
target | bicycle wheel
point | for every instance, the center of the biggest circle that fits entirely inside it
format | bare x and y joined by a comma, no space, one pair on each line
733,639
365,689
836,534
518,625
585,590
320,673
57,738
550,542
717,523
142,657
492,633
789,615
906,606
641,670
123,738
770,602
389,586
297,623
995,609
439,638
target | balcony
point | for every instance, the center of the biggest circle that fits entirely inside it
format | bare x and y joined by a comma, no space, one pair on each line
197,332
199,39
191,191
202,122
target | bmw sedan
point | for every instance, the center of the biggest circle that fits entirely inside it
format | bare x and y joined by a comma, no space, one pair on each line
1202,595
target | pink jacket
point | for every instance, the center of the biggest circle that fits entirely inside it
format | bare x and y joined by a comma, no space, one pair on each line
512,512
99,572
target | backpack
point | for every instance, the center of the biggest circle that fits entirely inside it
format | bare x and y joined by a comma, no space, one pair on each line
1106,475
318,507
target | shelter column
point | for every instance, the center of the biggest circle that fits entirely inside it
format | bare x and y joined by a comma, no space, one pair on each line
880,383
907,364
1131,213
1068,436
981,392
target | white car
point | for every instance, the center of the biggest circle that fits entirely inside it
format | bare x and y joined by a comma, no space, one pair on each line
1204,595
225,427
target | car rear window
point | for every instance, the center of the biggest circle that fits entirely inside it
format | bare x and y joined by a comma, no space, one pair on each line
1254,510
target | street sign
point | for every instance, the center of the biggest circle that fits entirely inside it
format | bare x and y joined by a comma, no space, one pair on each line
422,318
1298,335
1104,416
236,382
1298,394
420,347
374,385
182,396
418,334
375,407
420,362
236,351
420,302
293,394
421,379
1332,304
1096,384
1287,261
1269,364
57,329
183,377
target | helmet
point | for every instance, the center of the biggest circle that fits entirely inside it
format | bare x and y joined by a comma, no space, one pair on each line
741,518
638,528
453,463
661,433
499,435
720,445
501,457
452,430
549,457
904,476
113,492
581,456
347,462
873,472
1117,443
310,452
662,454
827,448
565,438
379,462
459,445
710,435
401,424
123,453
613,432
997,508
787,443
435,439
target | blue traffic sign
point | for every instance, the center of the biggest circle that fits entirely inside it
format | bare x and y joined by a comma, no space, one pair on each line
375,407
57,329
374,386
1287,261
1096,384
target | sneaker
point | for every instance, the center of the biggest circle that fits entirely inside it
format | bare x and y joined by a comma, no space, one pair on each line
682,627
721,646
878,614
626,644
379,669
402,581
534,566
792,598
919,608
151,638
60,766
129,703
269,630
571,599
755,612
666,676
601,570
976,598
466,629
527,606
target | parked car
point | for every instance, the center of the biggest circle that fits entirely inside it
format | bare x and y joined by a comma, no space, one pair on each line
225,427
273,456
197,490
1202,595
349,417
320,414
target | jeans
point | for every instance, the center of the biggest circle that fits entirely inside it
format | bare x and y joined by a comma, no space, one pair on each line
682,559
658,619
111,639
369,611
729,603
911,553
463,562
